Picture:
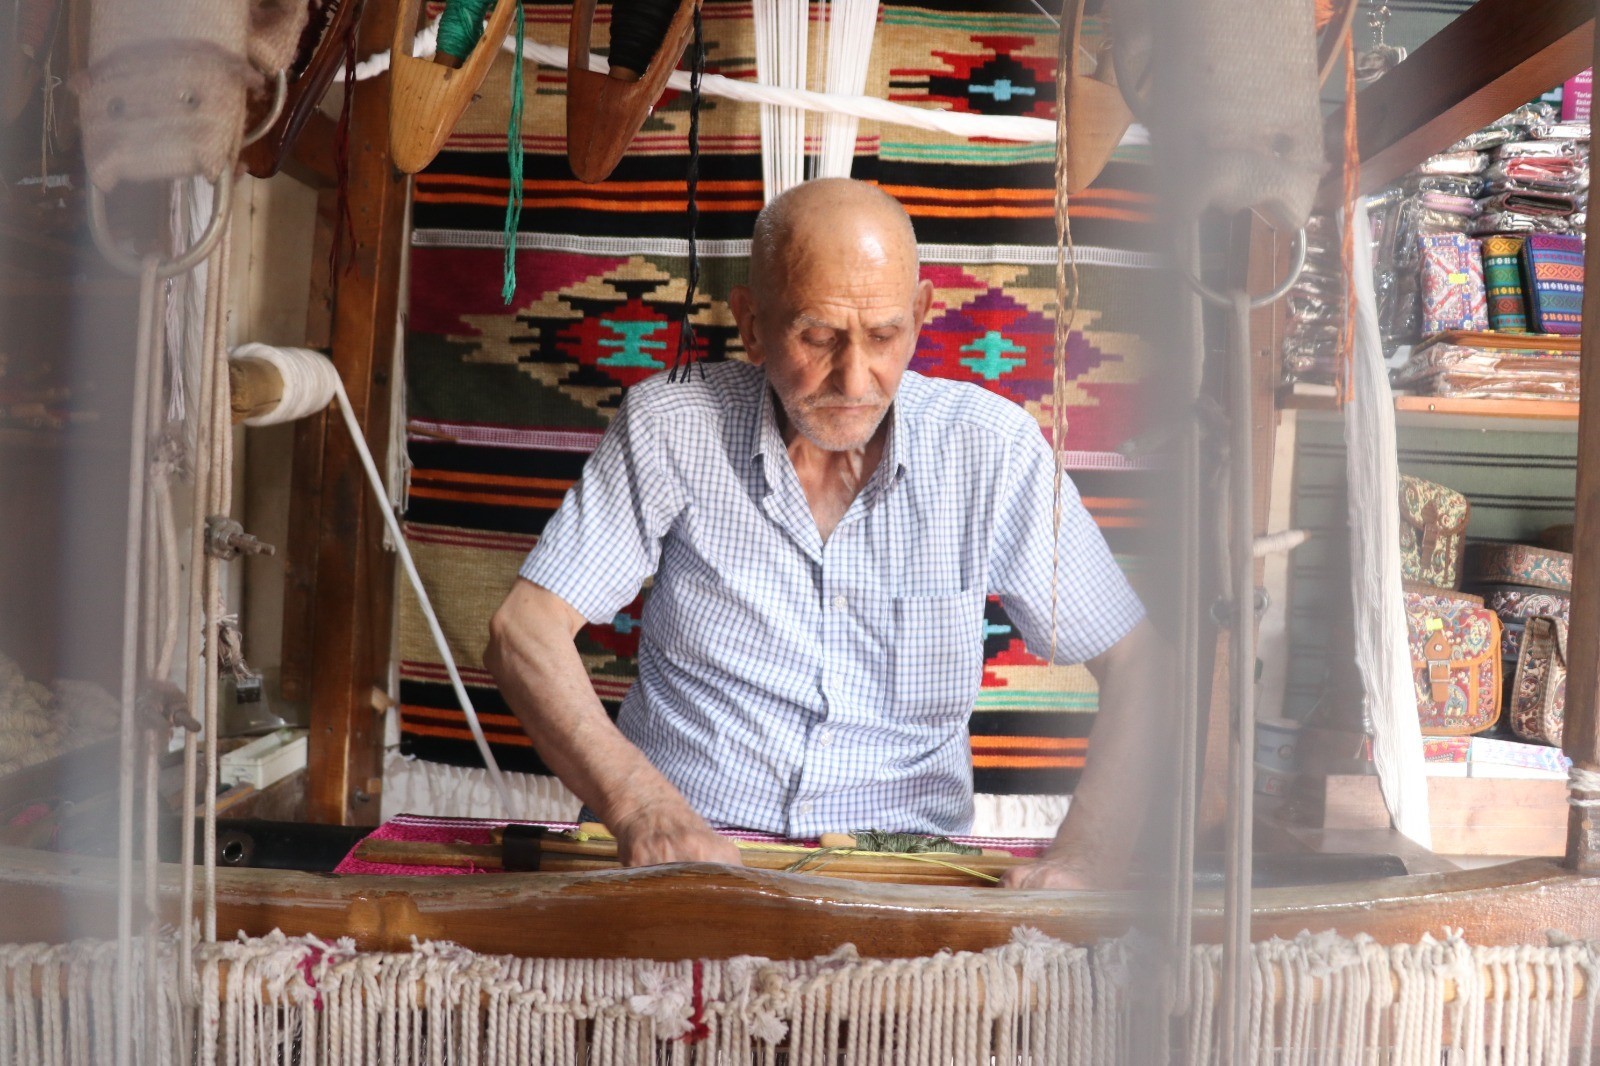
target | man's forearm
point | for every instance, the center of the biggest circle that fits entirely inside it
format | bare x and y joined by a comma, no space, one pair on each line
542,677
1127,761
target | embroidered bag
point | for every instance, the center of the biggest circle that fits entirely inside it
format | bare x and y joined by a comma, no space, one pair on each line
1502,276
1539,697
1515,604
1453,296
1433,528
1455,661
1500,562
1553,266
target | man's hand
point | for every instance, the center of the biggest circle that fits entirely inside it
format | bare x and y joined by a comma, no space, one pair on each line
670,832
1048,873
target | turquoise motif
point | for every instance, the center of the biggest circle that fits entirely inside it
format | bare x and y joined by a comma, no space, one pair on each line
993,364
632,347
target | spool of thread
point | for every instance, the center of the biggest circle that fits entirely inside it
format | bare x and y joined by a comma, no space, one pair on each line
637,29
274,385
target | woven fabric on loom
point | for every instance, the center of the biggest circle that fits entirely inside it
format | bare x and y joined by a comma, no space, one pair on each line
420,828
504,403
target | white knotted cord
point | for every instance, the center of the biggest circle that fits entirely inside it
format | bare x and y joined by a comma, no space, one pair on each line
1316,998
310,383
871,108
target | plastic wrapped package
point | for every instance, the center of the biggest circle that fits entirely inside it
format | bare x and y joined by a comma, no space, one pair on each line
1519,149
1444,369
1457,164
1531,203
1560,131
1558,173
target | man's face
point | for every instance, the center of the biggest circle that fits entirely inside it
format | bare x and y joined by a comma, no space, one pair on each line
835,336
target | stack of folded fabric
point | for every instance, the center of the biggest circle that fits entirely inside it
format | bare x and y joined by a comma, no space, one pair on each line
1441,368
1537,181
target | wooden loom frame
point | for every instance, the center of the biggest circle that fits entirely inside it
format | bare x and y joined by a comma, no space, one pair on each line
338,620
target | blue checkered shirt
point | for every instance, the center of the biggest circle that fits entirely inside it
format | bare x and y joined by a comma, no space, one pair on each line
801,686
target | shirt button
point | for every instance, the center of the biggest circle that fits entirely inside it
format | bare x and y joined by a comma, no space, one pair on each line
824,738
805,807
839,603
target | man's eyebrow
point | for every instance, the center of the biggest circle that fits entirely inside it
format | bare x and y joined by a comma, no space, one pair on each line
805,321
890,323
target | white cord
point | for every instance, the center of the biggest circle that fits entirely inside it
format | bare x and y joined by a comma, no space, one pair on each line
310,383
956,123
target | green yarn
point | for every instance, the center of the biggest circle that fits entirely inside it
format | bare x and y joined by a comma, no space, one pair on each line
508,287
909,843
461,25
460,28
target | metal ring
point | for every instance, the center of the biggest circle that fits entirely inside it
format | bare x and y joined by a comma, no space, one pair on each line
128,263
1296,265
280,96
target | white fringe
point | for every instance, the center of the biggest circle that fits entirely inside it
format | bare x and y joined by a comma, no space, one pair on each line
1036,1000
416,786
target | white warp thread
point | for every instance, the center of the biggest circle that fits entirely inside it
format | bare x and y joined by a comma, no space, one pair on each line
310,383
1317,998
1383,654
873,109
1585,781
417,786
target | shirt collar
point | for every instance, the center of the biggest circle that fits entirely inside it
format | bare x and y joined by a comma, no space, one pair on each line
769,439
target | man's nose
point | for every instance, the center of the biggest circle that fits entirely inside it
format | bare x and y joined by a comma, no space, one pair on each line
853,372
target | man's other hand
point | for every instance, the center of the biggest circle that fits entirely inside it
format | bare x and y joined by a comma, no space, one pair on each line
1049,874
663,832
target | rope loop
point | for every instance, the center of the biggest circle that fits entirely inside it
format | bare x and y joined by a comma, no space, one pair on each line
129,263
1296,264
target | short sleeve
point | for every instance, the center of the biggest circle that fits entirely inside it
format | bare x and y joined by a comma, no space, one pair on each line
1095,607
605,539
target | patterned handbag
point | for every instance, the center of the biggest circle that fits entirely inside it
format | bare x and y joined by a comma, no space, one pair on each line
1433,532
1502,276
1553,263
1539,697
1501,562
1455,661
1453,296
1516,604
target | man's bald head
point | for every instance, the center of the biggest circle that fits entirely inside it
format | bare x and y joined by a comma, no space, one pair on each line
828,220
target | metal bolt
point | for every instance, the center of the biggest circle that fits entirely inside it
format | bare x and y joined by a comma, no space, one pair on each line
227,540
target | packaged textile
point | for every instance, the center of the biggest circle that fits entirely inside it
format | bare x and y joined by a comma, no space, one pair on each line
1539,696
1455,659
1559,173
1433,532
1453,296
1502,279
1529,202
1517,222
1493,757
1502,562
1553,264
1540,148
1560,131
1457,163
1490,374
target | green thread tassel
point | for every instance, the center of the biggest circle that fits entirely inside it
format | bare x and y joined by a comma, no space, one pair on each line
508,288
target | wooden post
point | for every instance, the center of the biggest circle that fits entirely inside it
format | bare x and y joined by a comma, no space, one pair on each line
349,584
1581,734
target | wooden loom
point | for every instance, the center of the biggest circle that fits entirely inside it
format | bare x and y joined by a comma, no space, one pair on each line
338,616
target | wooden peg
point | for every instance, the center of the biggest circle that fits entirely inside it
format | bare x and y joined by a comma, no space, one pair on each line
427,98
604,113
1097,114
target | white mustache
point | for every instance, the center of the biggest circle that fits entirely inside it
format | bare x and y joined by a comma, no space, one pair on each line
835,399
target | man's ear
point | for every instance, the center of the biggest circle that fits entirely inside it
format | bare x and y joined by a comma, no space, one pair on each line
924,301
743,305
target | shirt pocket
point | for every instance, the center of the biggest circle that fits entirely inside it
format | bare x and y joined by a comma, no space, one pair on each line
937,655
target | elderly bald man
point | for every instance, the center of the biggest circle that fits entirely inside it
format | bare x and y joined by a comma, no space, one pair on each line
823,526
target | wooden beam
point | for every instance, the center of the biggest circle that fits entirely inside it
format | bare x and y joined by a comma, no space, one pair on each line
311,161
1581,732
352,593
1497,56
661,912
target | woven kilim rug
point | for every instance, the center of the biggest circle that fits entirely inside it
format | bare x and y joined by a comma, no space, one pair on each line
505,403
